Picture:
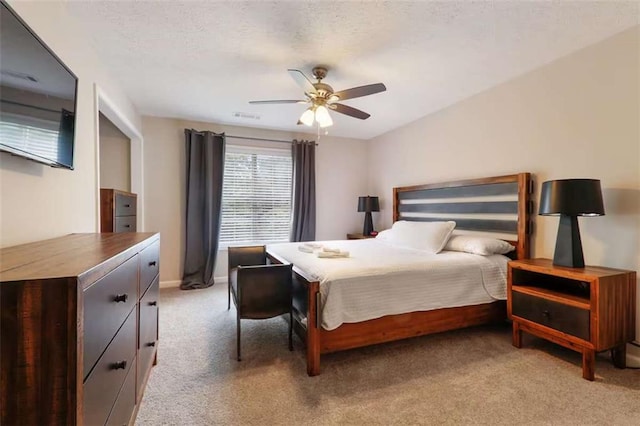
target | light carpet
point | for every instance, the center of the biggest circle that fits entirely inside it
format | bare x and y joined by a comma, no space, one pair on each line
472,376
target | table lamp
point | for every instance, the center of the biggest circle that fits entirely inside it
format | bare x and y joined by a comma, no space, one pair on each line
570,198
367,205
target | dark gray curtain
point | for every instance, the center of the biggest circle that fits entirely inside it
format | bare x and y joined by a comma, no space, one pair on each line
303,224
205,169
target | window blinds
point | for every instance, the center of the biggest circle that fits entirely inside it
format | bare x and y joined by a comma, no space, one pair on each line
30,134
256,196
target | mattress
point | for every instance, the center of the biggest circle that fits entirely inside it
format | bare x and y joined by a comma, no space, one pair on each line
378,279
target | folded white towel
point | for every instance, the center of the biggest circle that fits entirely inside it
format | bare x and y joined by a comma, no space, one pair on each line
305,249
313,245
330,250
332,254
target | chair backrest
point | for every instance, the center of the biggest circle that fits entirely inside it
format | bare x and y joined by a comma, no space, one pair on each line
264,291
247,256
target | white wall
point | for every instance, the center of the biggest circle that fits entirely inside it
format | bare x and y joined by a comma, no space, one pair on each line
37,201
576,117
341,176
115,156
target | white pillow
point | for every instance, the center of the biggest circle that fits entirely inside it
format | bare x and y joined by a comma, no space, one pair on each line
425,236
386,235
484,246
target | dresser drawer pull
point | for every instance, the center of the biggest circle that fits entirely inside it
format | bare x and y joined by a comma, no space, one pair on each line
151,344
119,365
127,205
154,303
546,314
120,298
152,263
127,226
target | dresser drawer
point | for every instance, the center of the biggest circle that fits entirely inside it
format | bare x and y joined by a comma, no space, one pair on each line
106,305
106,379
126,402
561,317
125,224
149,265
149,315
148,330
125,205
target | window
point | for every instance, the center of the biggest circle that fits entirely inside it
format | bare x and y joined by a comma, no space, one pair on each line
30,134
256,196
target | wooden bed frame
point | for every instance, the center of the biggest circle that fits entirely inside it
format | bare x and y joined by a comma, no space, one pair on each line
396,327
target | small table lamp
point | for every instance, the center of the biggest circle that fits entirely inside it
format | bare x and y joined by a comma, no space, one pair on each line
367,205
570,198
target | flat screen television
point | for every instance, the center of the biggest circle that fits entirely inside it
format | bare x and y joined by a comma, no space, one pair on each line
37,96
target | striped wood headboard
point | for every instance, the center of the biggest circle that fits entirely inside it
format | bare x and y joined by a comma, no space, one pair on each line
495,206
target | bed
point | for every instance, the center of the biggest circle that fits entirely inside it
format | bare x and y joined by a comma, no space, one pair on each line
497,206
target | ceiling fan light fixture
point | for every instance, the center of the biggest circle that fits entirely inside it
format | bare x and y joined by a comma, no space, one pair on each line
327,123
307,117
322,98
322,116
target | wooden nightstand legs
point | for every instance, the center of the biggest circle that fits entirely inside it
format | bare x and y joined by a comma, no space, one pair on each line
588,355
517,335
619,356
588,364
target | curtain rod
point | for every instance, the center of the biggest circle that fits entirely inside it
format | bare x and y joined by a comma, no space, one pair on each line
261,139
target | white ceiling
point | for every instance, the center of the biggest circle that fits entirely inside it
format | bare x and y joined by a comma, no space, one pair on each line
206,60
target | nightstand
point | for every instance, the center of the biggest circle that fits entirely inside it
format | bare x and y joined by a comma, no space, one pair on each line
358,237
588,310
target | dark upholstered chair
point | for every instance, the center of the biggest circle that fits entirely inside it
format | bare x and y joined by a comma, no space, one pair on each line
259,290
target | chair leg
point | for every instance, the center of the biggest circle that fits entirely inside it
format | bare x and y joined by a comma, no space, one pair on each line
238,335
290,330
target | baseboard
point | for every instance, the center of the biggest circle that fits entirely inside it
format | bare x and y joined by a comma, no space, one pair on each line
176,283
170,284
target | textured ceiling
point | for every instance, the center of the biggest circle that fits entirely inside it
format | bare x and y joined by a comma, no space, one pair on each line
207,60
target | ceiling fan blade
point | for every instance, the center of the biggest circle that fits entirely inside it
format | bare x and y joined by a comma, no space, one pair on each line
356,92
287,101
302,81
347,110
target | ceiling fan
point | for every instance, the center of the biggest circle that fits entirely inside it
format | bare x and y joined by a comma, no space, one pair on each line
322,98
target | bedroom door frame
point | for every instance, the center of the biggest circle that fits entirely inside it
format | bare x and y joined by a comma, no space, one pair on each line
108,108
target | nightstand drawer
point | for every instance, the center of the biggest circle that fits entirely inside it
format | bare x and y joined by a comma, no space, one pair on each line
561,317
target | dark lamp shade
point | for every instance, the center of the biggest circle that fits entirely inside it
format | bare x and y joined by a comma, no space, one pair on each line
571,197
368,204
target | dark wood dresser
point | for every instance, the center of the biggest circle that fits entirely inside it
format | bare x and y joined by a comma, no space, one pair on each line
117,210
79,328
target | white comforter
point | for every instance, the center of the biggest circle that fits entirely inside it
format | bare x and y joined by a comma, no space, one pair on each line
379,279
